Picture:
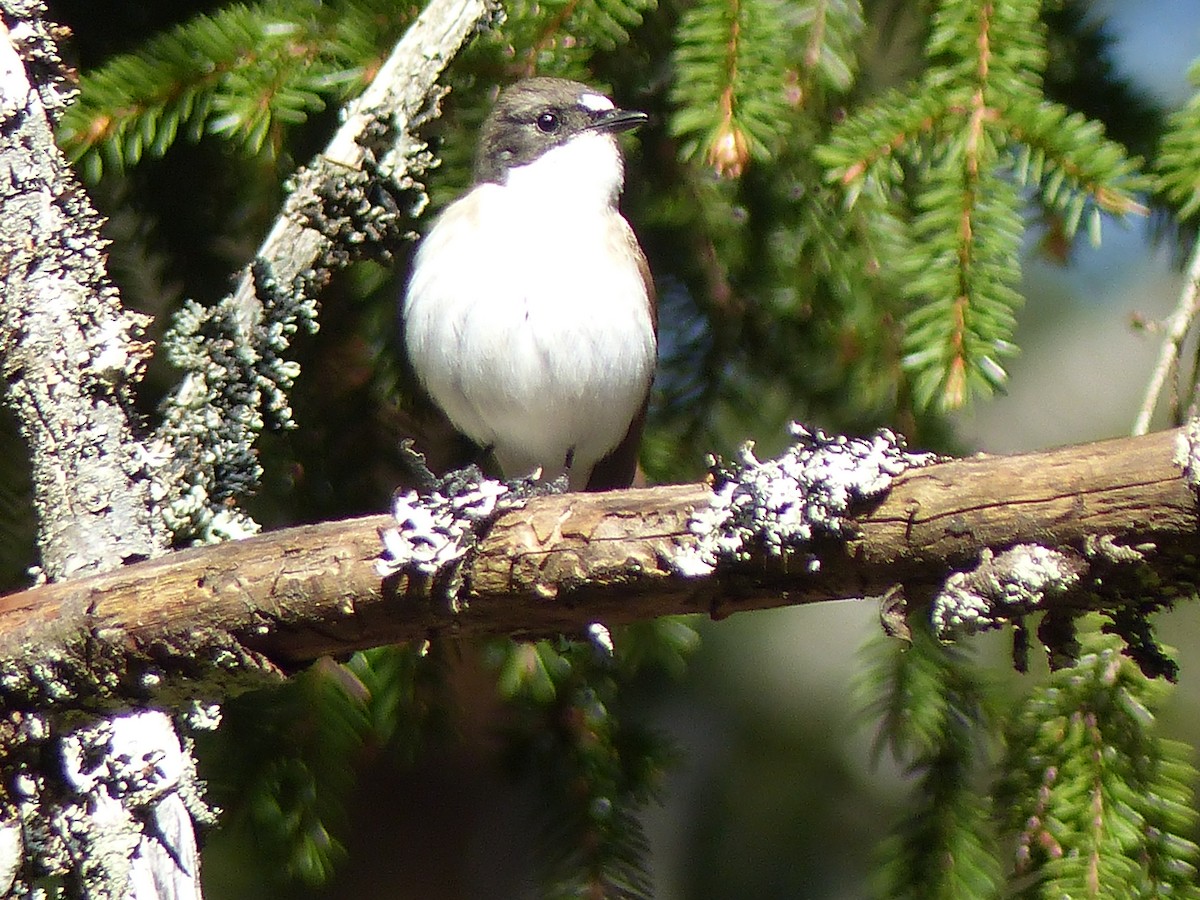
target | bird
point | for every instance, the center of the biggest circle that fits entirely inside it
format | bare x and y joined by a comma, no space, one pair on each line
529,317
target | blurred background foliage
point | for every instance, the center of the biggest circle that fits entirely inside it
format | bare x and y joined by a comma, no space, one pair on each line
855,213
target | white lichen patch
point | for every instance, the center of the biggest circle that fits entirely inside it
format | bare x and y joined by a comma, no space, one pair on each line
1187,453
236,385
114,356
105,816
781,505
1003,586
138,756
601,638
437,529
1105,547
12,849
202,716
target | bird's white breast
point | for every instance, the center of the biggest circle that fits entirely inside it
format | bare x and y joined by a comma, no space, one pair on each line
527,318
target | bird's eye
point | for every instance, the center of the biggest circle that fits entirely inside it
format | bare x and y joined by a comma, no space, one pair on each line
547,123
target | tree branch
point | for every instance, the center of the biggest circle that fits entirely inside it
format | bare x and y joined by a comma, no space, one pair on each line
1177,327
70,353
383,118
71,356
352,200
567,560
88,810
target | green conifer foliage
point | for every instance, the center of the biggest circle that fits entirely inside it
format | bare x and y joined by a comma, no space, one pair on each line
1102,805
1179,157
593,768
972,130
284,760
938,714
243,74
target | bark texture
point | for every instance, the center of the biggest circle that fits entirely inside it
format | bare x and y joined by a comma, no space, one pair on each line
1120,512
70,353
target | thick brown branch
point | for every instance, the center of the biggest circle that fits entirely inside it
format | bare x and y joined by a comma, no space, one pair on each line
564,561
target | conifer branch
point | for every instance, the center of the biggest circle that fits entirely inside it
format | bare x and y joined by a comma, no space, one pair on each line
730,92
1178,157
829,32
551,32
1101,803
981,103
1073,164
938,718
1122,510
242,73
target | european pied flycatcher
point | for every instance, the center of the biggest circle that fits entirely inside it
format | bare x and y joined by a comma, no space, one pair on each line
530,314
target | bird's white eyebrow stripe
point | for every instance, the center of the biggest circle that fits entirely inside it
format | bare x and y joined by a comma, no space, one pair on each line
596,102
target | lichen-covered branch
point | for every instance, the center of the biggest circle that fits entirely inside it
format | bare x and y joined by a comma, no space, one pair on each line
87,808
1119,516
105,809
109,818
353,200
70,353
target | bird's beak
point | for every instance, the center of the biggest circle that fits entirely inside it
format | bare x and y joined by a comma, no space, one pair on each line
614,120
